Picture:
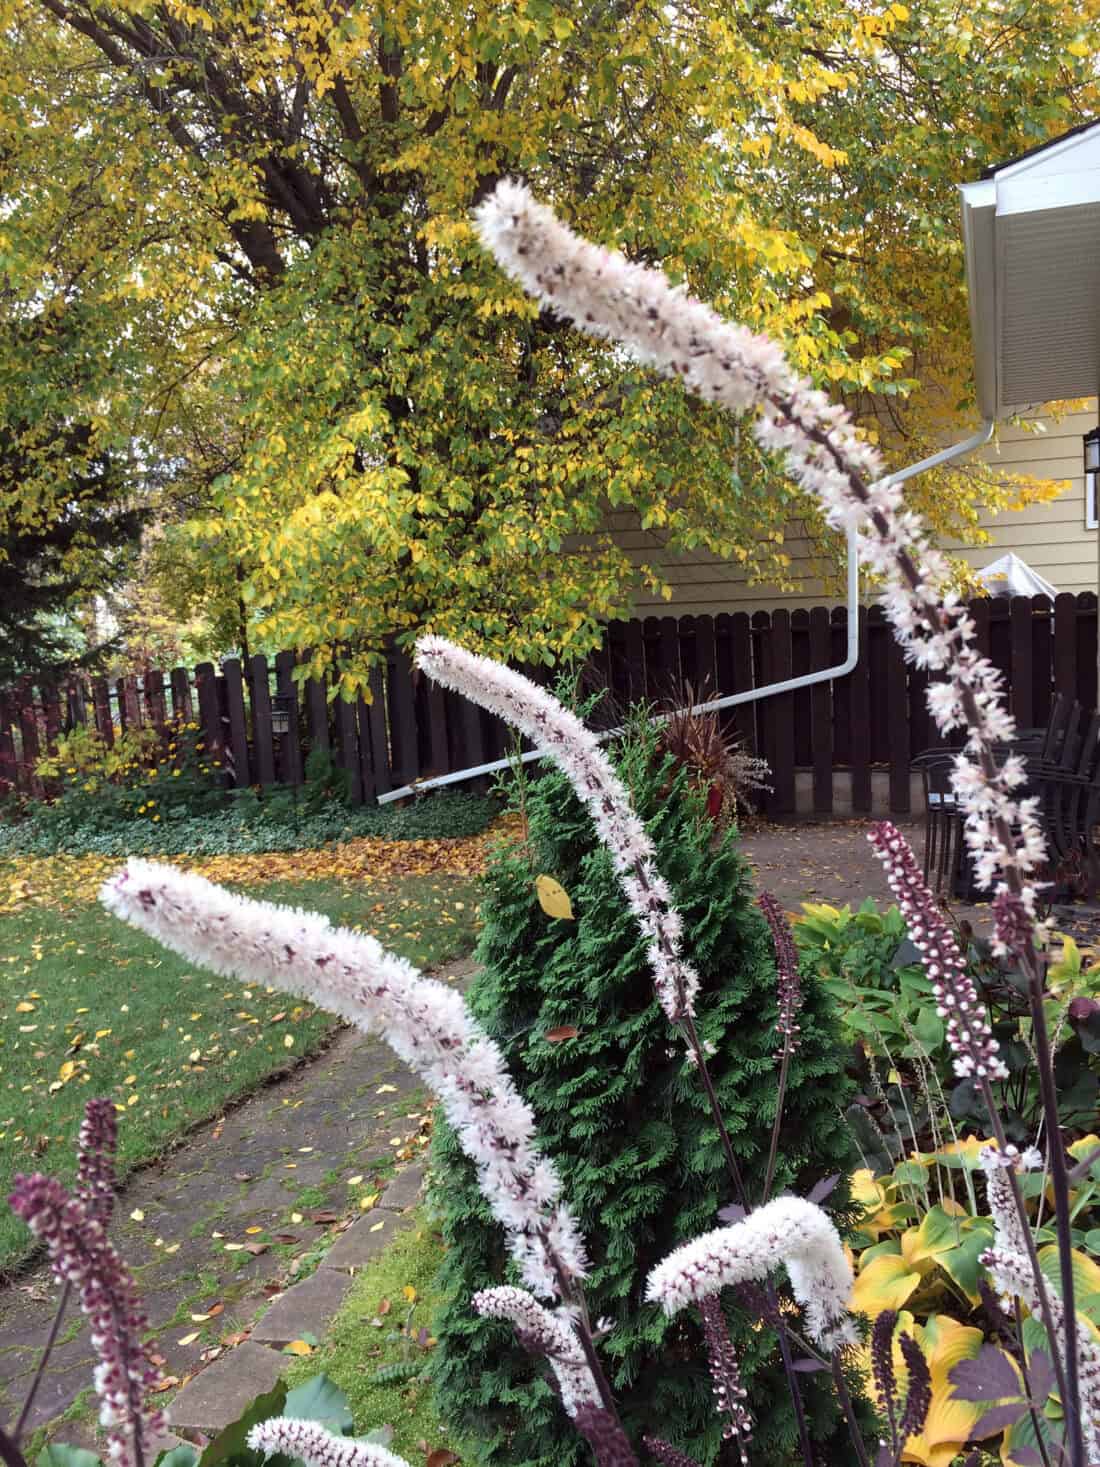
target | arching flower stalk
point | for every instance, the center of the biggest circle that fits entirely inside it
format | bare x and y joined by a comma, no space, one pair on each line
607,296
562,737
427,1024
313,1444
789,1232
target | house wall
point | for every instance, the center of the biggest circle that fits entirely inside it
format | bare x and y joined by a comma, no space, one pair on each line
1051,537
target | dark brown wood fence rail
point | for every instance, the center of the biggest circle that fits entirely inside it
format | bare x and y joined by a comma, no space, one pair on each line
873,720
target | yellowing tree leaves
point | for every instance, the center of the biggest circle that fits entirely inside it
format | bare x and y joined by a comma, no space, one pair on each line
553,898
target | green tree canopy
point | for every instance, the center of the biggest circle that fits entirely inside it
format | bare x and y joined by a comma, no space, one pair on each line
248,225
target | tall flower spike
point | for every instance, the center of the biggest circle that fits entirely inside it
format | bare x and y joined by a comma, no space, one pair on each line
667,1454
996,1165
882,1370
789,1231
605,295
610,1444
424,1022
95,1169
1011,1272
81,1255
788,977
309,1442
576,751
544,1332
918,1397
969,1036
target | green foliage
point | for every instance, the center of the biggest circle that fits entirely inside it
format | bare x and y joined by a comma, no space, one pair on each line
625,1119
866,960
110,822
356,426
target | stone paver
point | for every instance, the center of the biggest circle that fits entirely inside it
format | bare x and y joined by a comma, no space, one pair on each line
405,1188
362,1242
305,1309
221,1392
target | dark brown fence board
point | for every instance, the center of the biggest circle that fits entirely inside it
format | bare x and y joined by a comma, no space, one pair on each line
210,714
101,707
706,662
366,761
689,666
317,714
402,718
439,760
1021,661
28,729
760,624
235,709
1065,645
744,714
290,743
263,740
860,733
182,706
51,715
802,700
783,777
1086,650
821,712
379,738
899,732
9,770
156,714
842,689
877,652
671,678
347,744
1042,668
76,702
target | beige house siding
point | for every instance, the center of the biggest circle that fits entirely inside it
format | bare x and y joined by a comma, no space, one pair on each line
1051,537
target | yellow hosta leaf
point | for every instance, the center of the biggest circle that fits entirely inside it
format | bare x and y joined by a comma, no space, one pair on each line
1086,1273
885,1283
553,898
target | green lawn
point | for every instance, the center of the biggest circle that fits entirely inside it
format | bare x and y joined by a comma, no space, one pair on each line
90,1007
384,1326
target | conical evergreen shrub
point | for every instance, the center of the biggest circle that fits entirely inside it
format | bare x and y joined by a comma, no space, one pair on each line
626,1121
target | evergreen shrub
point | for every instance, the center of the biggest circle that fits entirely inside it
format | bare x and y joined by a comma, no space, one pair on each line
627,1122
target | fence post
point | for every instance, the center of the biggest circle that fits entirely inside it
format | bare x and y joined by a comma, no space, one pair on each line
101,707
782,714
1022,661
898,732
347,737
210,718
406,764
182,707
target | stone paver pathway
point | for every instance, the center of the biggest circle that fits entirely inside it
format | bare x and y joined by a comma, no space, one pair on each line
222,1225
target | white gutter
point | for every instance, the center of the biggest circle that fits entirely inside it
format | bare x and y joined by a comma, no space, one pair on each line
751,695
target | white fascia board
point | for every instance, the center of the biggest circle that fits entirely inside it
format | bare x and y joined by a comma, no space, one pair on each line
1028,194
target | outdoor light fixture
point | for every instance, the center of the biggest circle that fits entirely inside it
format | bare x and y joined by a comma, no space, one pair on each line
1092,473
282,705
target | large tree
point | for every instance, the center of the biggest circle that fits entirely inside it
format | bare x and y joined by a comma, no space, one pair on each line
260,212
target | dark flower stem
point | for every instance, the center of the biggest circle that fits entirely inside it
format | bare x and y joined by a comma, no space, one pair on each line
773,1148
849,1410
692,1036
43,1359
10,1454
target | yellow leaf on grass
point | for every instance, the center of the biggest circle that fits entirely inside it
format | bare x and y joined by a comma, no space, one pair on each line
553,898
188,1339
299,1347
137,1215
885,1283
409,1293
24,1008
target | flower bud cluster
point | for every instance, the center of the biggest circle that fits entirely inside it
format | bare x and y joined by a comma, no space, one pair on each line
788,977
80,1254
725,1374
969,1036
788,1231
545,1332
313,1444
95,1169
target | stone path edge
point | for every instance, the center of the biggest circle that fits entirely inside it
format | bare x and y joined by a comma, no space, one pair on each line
217,1395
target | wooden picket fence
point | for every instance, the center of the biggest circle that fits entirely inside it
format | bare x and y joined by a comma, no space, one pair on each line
873,720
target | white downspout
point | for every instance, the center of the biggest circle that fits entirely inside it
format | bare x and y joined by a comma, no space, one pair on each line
751,695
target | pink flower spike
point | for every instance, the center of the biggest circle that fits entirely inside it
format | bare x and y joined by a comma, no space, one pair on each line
81,1255
969,1036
